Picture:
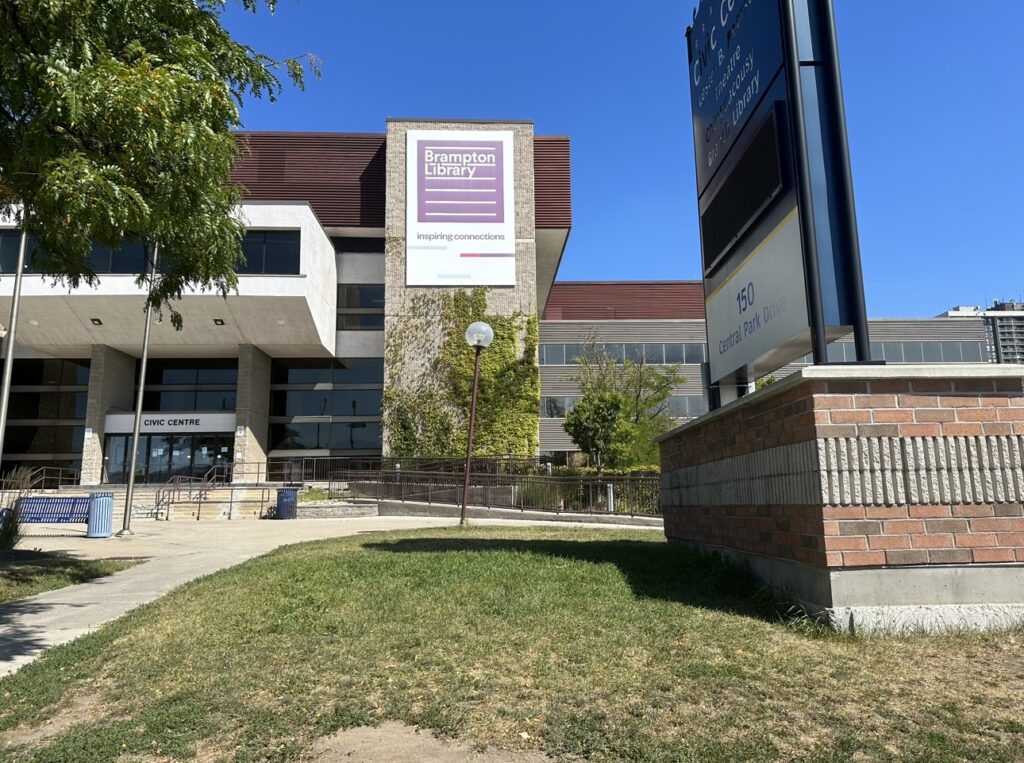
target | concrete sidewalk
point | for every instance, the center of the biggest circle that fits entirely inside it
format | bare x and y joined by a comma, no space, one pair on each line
176,552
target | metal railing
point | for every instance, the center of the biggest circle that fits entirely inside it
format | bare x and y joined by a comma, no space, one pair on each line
632,495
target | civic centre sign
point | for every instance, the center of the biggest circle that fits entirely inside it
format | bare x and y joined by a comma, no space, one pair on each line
460,208
781,264
171,423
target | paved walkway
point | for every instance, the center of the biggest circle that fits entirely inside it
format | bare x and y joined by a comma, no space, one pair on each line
177,552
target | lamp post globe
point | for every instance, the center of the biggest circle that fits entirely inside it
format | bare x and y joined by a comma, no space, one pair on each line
480,335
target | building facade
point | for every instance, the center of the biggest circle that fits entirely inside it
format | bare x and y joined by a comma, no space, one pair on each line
662,322
293,363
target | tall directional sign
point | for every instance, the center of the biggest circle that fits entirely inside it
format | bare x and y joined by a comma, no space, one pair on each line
781,262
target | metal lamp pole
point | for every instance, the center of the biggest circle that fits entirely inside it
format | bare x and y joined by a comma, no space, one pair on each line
479,336
126,526
5,392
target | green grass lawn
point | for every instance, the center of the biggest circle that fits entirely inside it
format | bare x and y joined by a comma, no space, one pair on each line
26,573
596,644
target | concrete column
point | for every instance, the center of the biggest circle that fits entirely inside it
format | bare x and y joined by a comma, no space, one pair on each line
111,390
252,425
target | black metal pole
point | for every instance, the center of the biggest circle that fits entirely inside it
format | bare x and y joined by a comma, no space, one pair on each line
837,113
469,439
812,276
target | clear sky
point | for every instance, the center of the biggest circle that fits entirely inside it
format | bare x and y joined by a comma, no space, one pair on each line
935,117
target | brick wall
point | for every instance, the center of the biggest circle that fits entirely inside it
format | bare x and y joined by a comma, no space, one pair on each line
856,473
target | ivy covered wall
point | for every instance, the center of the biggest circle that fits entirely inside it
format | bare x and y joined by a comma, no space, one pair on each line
429,372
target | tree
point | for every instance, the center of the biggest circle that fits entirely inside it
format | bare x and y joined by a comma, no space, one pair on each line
594,422
115,125
643,391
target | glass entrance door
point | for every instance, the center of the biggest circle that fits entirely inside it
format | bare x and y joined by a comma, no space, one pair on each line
181,455
162,457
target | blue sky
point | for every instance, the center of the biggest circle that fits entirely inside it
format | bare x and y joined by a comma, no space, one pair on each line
934,115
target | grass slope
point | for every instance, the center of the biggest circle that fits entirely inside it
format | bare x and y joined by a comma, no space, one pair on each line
602,645
28,573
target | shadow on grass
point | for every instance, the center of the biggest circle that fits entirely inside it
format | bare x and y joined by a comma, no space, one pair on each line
653,570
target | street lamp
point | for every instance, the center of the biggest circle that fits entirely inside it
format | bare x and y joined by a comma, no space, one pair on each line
478,336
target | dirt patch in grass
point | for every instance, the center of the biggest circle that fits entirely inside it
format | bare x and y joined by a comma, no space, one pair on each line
26,573
399,743
85,708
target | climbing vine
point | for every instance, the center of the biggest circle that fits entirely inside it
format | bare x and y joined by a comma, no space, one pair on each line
426,405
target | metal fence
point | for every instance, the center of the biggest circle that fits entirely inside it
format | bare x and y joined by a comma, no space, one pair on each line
325,468
582,494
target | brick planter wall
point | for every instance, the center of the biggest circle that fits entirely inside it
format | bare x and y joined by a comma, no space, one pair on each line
854,468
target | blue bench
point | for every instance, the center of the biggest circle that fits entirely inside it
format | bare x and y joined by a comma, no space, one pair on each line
56,510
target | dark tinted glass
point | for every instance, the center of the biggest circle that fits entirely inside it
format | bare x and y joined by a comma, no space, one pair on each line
973,352
215,400
554,354
301,403
695,352
912,352
654,353
893,352
363,402
572,353
361,296
951,352
99,258
23,405
675,353
281,252
355,435
130,257
10,240
932,352
178,400
218,374
552,407
252,250
359,371
358,322
299,436
635,352
615,352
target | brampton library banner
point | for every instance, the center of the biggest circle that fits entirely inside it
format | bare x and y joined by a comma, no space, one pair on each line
460,208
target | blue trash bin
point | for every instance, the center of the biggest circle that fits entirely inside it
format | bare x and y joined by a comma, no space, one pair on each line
287,500
101,515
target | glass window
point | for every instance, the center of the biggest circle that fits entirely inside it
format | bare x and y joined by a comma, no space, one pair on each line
973,352
912,352
634,352
301,403
676,407
10,240
553,354
951,352
893,352
215,400
654,353
73,404
217,374
835,353
130,257
675,353
356,435
175,400
23,405
552,407
616,352
359,371
572,353
99,258
360,322
694,353
299,436
362,402
876,351
570,403
932,352
281,252
252,250
300,371
361,296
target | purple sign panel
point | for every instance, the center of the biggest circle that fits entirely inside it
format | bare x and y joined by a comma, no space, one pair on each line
460,181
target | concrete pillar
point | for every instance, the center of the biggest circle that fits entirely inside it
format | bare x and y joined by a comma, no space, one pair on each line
252,425
111,390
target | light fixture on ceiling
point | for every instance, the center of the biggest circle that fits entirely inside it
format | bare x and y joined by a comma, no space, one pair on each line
96,321
218,321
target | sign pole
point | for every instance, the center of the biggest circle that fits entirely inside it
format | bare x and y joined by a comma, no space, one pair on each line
837,114
815,310
5,393
126,525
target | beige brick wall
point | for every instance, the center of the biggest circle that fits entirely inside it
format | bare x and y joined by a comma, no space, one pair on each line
407,304
111,390
252,422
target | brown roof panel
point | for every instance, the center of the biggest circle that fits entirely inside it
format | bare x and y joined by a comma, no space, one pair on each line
625,300
551,181
342,175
